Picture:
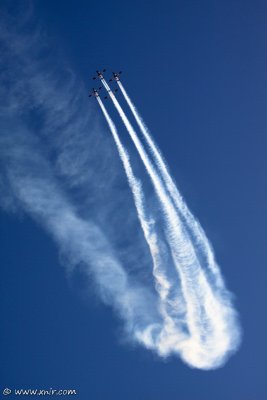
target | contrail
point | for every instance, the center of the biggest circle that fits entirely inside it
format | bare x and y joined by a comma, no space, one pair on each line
147,224
168,209
192,225
209,317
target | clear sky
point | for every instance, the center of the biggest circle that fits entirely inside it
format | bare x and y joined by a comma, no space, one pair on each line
197,72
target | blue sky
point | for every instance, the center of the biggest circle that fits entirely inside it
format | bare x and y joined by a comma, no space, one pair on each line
197,73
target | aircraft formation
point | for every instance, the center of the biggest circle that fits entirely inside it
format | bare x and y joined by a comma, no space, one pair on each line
100,75
203,329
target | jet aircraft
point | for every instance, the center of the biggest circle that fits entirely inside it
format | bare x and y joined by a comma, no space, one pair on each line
116,76
95,92
99,74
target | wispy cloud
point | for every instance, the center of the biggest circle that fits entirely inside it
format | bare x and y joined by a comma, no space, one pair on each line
59,164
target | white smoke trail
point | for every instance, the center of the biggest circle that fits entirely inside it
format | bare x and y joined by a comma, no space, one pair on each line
198,234
147,224
210,318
